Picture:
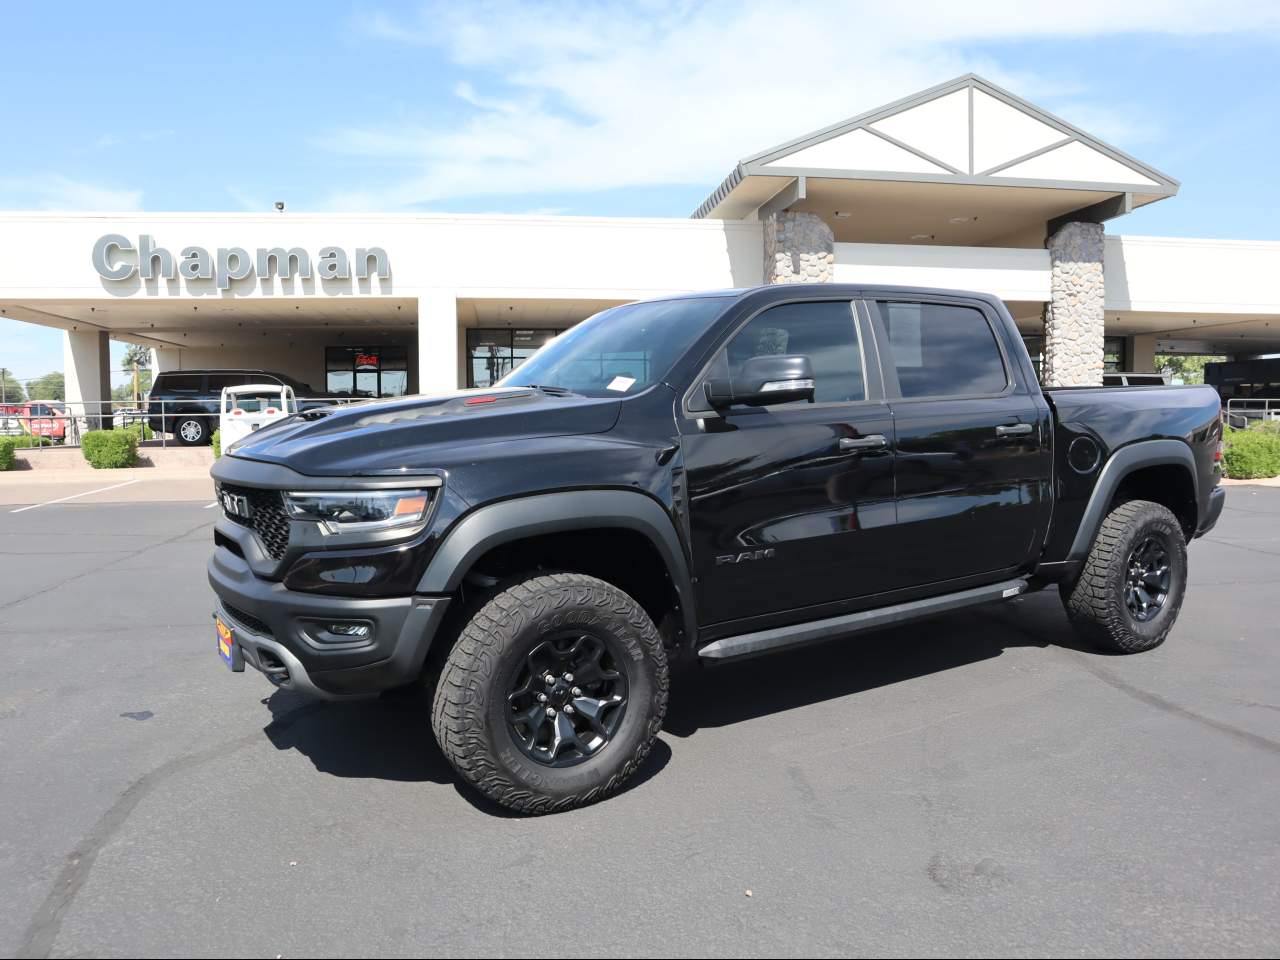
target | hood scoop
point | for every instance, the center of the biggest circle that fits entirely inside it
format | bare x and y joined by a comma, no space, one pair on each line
484,402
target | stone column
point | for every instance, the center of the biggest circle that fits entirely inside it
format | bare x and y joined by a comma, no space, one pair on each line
798,248
439,359
1073,317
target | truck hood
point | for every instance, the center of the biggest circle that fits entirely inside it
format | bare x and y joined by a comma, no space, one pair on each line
407,434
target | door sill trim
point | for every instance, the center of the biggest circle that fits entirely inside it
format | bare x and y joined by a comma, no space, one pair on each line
766,641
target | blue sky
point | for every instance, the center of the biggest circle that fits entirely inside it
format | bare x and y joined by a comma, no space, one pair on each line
611,109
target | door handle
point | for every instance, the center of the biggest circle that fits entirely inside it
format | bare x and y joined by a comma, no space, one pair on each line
1013,430
874,441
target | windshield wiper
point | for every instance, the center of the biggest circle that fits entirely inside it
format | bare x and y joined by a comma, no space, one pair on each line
552,391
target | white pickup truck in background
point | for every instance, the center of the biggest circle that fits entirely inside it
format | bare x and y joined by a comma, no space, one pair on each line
250,407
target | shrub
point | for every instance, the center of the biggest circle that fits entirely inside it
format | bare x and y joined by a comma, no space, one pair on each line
216,439
108,449
26,441
6,452
142,431
1252,453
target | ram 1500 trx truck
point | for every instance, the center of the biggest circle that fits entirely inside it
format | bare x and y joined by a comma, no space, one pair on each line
710,476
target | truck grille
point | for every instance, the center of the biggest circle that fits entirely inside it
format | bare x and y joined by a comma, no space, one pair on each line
266,516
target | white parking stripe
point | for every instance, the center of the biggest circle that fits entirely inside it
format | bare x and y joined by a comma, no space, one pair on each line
114,486
210,506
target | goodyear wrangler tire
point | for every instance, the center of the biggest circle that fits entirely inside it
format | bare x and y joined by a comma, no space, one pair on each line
1131,588
553,693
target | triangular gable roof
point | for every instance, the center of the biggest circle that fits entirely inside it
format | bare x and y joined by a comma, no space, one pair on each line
965,131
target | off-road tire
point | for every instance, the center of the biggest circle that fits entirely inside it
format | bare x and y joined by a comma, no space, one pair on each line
469,710
1096,601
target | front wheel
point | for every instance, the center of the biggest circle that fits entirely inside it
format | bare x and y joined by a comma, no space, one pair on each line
1131,588
553,693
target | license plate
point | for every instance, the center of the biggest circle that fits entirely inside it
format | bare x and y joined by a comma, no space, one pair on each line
226,643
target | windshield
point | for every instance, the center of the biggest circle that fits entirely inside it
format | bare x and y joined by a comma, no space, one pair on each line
620,351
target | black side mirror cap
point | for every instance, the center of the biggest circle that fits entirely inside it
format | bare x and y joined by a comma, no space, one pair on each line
764,381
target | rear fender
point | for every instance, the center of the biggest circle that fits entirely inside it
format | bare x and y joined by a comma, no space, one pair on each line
1126,460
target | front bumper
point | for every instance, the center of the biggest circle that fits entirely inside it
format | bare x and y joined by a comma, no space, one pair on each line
1217,498
280,632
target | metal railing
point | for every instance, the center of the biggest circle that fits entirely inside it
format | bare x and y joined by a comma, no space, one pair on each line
1243,410
158,423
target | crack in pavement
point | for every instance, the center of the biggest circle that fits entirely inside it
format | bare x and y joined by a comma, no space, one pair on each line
1240,546
1168,706
1137,693
80,576
43,929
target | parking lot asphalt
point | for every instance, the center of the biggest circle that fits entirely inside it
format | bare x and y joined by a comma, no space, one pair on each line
973,785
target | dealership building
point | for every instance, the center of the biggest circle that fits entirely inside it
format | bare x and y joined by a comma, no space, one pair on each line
961,186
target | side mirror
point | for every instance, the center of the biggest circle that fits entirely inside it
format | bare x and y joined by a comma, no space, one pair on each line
764,381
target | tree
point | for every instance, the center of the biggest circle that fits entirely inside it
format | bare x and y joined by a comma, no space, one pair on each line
136,358
52,386
10,389
137,353
1189,369
125,392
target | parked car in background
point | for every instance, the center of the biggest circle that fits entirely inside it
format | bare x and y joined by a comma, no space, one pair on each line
249,408
186,403
37,418
1127,379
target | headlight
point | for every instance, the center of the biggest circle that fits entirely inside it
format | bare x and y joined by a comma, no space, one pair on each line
360,510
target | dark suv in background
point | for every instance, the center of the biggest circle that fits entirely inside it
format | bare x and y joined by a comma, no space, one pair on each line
185,402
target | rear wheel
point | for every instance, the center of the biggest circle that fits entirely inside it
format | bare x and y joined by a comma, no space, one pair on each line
191,430
1130,591
553,693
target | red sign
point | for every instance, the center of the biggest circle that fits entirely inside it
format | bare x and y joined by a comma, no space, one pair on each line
366,360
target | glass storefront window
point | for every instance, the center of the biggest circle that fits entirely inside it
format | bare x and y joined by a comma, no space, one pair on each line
367,371
492,354
1113,355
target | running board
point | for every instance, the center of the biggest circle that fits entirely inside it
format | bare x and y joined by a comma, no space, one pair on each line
764,641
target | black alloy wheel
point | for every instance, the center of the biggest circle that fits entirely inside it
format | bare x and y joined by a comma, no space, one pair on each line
1148,575
568,701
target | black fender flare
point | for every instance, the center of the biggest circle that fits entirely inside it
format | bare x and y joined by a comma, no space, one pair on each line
1135,456
530,516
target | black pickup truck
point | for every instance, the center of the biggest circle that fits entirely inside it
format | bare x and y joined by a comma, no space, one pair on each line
702,477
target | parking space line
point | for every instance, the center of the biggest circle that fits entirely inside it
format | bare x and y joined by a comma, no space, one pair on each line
85,493
210,506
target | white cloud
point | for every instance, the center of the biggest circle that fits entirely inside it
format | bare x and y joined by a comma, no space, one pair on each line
572,97
56,192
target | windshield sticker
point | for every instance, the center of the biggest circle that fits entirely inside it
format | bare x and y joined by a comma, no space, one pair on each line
621,384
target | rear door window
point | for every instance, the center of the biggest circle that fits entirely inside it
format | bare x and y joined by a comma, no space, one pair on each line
943,350
180,383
